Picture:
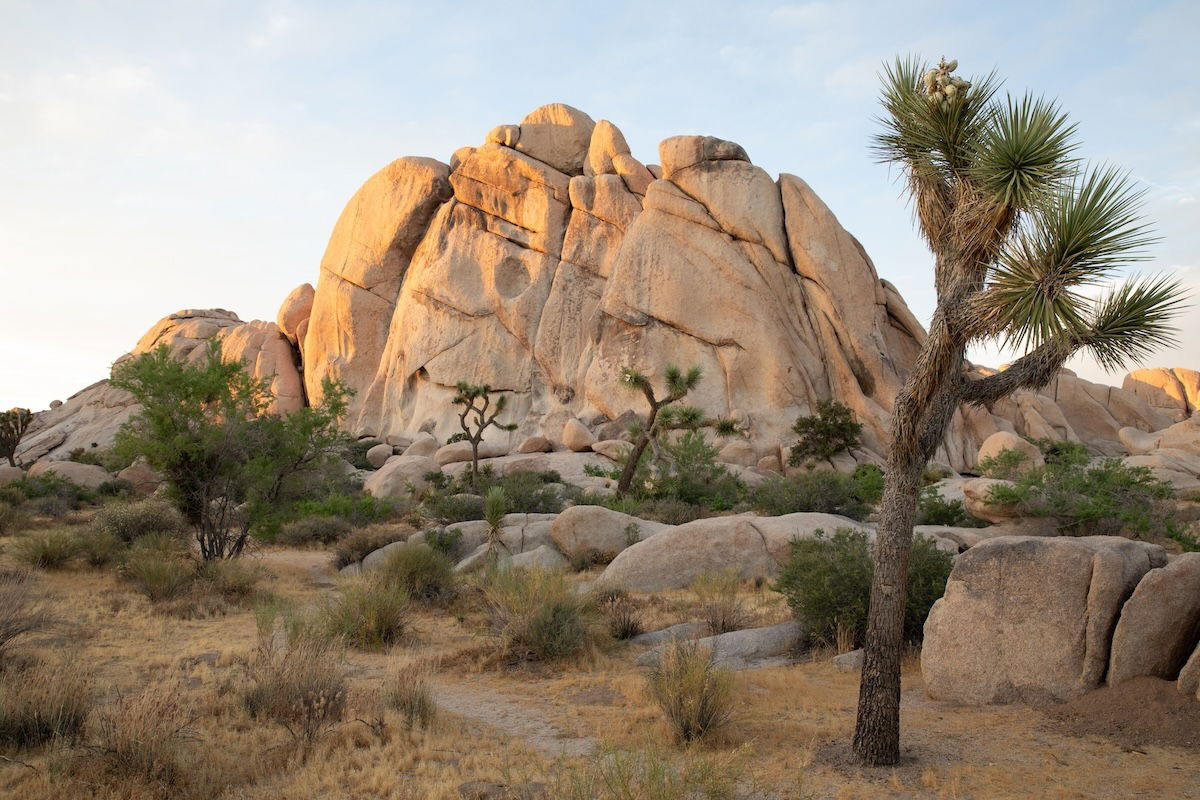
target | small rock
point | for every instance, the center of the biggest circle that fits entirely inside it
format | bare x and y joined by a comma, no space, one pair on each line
378,455
423,445
849,662
616,449
535,444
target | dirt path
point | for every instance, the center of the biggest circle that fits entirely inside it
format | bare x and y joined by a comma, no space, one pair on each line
521,717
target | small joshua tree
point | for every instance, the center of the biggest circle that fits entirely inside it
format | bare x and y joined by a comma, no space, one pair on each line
477,400
13,424
678,385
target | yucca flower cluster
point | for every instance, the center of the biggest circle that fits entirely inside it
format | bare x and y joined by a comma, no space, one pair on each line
942,87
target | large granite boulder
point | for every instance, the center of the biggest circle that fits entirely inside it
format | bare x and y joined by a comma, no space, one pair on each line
598,534
1030,618
88,475
1159,626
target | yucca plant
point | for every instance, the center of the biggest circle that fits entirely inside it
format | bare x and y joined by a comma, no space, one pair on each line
1021,232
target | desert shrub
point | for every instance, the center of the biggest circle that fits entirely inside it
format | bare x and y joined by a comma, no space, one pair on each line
99,548
41,703
827,583
408,691
1005,465
532,492
830,431
670,512
623,774
538,616
361,543
824,491
355,452
933,509
313,531
131,521
868,483
369,611
49,505
141,736
118,487
296,680
622,614
451,508
157,570
693,692
234,581
21,613
425,574
49,549
1104,498
447,541
359,510
51,485
716,595
12,518
694,476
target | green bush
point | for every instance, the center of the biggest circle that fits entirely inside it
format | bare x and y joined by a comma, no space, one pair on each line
827,583
537,614
235,581
694,475
69,494
1006,465
314,531
933,509
1105,498
823,435
370,612
423,572
118,487
451,508
868,483
447,541
695,695
355,453
99,548
823,491
357,510
12,518
51,549
129,522
669,512
359,544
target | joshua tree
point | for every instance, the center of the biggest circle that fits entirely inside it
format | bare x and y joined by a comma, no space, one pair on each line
478,400
1019,232
13,424
678,385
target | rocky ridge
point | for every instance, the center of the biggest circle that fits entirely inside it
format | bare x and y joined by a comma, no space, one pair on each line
549,258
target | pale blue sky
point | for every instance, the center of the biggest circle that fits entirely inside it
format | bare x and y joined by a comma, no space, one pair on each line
164,155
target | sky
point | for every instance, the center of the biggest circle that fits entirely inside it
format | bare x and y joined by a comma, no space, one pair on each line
156,156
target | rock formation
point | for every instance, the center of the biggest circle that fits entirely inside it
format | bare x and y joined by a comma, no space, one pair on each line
549,258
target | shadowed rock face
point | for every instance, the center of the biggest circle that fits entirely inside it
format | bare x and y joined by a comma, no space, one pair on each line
548,259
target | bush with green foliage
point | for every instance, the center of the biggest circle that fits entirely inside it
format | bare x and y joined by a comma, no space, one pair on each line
690,473
447,541
827,584
448,500
359,510
100,548
48,549
933,509
158,568
868,483
424,573
823,435
1106,497
369,611
538,615
1006,465
822,491
693,692
353,548
227,461
314,531
128,522
48,487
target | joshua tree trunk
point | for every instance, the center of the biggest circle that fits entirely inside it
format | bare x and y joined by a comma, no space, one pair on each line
635,455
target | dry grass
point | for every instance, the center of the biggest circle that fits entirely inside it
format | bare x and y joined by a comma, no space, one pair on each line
695,695
510,724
